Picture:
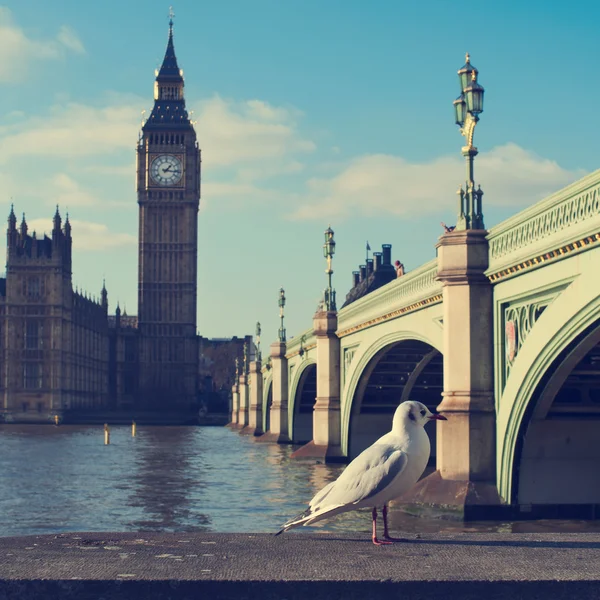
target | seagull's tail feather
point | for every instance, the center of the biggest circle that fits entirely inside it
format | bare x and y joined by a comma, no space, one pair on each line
311,515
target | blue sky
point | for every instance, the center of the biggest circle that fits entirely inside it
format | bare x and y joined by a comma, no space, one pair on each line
308,114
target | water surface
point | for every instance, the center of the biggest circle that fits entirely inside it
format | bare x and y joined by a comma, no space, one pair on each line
58,479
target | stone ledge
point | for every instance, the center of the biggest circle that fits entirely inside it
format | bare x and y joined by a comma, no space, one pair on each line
300,565
298,590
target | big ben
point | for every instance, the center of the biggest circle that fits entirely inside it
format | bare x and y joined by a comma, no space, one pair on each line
168,188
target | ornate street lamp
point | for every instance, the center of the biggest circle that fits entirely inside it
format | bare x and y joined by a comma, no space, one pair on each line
467,108
257,345
281,307
328,252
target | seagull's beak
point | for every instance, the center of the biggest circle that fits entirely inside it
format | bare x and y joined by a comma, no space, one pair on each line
437,417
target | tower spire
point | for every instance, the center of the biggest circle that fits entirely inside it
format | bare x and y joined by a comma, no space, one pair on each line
169,71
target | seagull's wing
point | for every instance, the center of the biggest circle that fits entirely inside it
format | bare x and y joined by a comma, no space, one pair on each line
367,475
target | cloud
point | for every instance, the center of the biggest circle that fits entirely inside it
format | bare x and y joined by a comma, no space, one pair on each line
19,51
385,184
73,130
248,133
87,235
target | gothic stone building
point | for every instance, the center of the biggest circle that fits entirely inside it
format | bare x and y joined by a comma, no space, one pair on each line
53,340
60,351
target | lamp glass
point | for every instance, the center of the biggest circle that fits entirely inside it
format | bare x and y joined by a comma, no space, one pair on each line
460,110
474,98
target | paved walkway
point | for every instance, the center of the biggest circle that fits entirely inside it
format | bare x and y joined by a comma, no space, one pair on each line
299,565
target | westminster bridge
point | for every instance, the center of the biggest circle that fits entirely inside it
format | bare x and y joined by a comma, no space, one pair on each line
500,332
503,327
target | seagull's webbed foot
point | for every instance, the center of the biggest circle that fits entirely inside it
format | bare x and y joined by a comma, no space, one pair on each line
386,534
381,542
377,541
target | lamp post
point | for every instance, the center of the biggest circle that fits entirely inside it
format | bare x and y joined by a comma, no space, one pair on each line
245,365
257,345
281,307
237,370
328,252
467,108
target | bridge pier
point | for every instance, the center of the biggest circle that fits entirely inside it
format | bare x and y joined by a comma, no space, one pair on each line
278,417
326,442
465,482
235,407
256,388
243,410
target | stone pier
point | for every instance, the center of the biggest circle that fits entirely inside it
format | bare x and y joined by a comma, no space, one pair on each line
326,442
464,482
244,405
235,407
255,419
279,427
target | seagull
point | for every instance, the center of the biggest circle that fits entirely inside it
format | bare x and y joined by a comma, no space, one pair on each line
382,472
448,228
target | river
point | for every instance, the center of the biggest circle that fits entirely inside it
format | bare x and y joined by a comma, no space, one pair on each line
59,479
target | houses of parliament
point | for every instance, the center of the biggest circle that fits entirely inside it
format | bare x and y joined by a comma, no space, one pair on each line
61,353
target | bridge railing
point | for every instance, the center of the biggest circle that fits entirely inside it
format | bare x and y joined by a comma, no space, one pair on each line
566,217
293,344
406,293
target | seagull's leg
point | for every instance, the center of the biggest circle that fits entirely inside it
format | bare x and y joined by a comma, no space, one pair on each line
386,534
375,540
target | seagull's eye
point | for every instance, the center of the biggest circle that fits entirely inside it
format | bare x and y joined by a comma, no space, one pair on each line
422,413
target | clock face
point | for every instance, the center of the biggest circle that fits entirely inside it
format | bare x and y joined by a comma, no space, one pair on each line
166,169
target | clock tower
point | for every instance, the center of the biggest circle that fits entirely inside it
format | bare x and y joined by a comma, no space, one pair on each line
168,189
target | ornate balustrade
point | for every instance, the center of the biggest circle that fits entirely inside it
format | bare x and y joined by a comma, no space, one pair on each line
567,221
410,292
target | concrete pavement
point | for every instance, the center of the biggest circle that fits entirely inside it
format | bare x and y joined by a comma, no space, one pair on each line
299,565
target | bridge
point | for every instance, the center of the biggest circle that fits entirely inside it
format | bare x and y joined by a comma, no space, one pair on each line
501,333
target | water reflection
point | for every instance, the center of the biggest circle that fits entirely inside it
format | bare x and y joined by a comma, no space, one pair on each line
57,479
168,477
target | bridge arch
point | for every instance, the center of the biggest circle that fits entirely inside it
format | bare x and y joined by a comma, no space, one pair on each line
267,401
399,366
302,398
549,412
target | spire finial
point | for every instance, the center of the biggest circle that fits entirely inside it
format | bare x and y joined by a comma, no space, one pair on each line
171,16
468,57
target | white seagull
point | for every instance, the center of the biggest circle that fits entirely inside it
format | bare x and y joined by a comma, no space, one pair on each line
382,472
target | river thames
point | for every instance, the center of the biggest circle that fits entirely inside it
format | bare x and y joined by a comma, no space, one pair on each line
60,479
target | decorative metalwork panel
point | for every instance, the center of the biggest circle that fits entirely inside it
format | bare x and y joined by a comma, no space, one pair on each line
348,356
553,216
519,320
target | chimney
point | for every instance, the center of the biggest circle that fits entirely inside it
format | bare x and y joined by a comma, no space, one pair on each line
369,266
387,255
363,272
377,261
355,278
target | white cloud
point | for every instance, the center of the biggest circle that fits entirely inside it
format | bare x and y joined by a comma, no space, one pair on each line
67,192
87,235
69,39
384,184
249,133
73,130
18,51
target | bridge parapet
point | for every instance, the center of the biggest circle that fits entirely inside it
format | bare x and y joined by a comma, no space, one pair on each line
567,221
412,291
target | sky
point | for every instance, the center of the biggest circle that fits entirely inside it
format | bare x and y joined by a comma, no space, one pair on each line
309,113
